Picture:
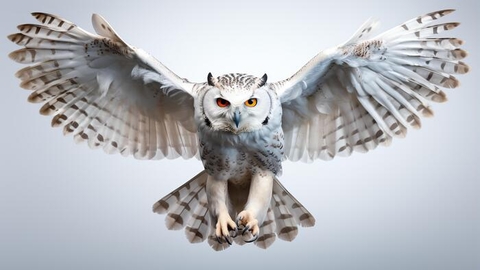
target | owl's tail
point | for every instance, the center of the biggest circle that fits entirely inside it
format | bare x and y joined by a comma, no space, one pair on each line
187,207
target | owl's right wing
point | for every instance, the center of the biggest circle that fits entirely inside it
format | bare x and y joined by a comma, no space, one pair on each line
365,92
104,91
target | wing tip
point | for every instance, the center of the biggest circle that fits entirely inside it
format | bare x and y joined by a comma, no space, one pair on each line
43,16
446,11
13,38
441,12
97,17
38,13
17,55
12,55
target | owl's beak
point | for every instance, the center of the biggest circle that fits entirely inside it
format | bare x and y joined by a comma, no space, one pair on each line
236,117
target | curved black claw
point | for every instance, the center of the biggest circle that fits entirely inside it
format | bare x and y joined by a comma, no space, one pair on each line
237,221
226,238
254,238
245,230
234,232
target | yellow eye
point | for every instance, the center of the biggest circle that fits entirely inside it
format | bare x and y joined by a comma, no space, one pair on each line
251,102
222,102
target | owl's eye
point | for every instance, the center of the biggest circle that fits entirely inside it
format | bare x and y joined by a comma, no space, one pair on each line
222,102
251,102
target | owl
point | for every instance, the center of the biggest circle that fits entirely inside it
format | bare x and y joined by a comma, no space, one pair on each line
351,97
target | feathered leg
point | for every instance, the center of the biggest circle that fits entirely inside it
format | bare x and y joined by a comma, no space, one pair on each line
257,205
217,194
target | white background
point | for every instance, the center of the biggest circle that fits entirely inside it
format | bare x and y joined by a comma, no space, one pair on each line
413,205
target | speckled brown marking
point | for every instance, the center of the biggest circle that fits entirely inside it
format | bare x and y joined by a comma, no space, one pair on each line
185,205
58,119
176,195
287,230
92,128
177,218
429,77
33,53
163,204
83,135
365,48
195,231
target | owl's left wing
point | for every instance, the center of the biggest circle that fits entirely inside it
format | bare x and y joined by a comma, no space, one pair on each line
367,91
104,91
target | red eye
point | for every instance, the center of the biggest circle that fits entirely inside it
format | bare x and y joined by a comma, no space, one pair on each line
222,102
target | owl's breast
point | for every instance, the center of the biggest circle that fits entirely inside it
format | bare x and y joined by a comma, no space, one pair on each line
236,157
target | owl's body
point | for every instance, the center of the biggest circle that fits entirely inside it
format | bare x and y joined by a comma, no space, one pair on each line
236,160
352,97
227,152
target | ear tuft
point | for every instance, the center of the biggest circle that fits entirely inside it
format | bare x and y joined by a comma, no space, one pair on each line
263,80
210,79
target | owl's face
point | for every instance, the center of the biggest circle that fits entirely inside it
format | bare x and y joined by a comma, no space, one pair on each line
237,103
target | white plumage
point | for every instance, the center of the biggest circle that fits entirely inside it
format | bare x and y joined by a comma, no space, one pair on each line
348,98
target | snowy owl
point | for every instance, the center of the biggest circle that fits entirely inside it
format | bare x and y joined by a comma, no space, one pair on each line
351,97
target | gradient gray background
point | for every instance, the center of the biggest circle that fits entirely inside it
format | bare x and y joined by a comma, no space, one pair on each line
414,205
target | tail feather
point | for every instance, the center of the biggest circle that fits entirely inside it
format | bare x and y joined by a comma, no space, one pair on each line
267,231
215,245
167,203
198,225
286,225
187,207
182,202
299,212
183,210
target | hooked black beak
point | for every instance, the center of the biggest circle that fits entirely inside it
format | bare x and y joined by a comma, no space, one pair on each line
236,117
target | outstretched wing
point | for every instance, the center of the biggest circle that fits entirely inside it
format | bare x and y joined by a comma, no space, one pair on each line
104,91
367,91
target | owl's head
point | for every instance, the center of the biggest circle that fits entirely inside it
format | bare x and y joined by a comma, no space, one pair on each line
237,103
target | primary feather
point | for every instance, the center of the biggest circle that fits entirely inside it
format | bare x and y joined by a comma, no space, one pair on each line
366,91
105,92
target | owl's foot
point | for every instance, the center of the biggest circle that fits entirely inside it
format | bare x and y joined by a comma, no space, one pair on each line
226,229
249,223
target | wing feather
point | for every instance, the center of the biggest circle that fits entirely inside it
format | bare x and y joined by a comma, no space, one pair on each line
365,92
104,91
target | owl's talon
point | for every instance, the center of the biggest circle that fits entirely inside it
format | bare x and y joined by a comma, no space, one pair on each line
245,230
237,221
249,223
224,228
234,232
253,239
228,240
